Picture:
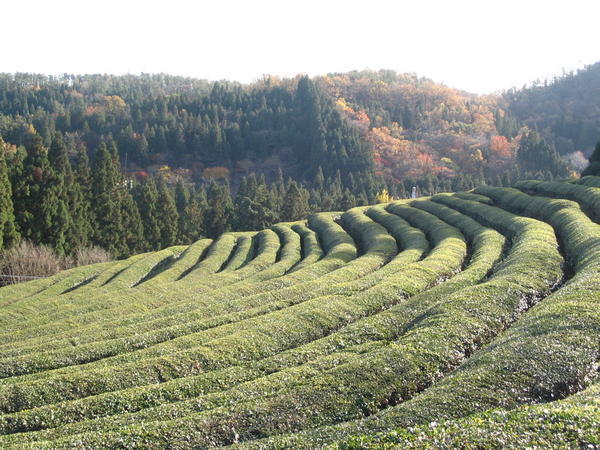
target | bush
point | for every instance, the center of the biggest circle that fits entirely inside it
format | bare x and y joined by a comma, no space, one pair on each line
89,255
27,261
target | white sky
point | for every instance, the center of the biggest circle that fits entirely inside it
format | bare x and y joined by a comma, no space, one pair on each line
476,45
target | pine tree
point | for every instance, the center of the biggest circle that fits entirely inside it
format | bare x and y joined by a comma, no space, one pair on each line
220,207
320,179
147,200
42,214
182,198
347,201
295,205
253,205
71,194
8,231
194,216
106,200
83,216
167,213
594,167
310,140
133,229
535,154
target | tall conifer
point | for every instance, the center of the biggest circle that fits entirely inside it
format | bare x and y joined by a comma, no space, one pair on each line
167,213
8,231
220,207
106,203
147,199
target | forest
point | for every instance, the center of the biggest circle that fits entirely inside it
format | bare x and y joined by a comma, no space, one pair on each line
139,163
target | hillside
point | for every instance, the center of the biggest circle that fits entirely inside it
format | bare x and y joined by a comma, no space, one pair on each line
565,110
92,160
459,319
415,127
398,127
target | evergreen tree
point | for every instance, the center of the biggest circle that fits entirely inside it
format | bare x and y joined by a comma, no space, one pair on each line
347,201
71,194
106,201
83,173
194,216
147,200
535,154
8,230
219,212
83,216
182,198
295,205
133,229
167,213
253,205
42,215
594,167
319,178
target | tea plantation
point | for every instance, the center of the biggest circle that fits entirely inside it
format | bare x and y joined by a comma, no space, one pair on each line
461,320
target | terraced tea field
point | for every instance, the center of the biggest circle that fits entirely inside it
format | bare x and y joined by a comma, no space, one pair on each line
461,319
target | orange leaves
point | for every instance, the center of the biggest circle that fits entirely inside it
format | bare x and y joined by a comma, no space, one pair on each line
412,124
398,157
500,147
424,160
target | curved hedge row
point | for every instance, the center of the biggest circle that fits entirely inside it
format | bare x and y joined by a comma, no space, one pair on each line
357,329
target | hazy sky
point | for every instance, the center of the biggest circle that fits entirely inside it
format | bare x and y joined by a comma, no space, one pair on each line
480,46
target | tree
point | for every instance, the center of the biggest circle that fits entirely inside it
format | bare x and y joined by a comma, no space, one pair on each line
295,205
535,154
8,230
182,198
594,167
147,200
347,201
219,212
42,214
319,178
167,213
71,197
194,217
253,215
106,200
133,229
253,205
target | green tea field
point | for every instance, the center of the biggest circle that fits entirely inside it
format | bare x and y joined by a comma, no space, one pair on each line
460,320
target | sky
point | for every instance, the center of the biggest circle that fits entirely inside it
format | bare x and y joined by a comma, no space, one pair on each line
479,46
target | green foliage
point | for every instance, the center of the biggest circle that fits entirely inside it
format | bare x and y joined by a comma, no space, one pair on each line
217,219
461,319
167,215
106,199
594,167
295,203
8,231
564,108
534,155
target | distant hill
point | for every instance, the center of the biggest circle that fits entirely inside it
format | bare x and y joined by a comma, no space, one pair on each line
396,127
565,110
416,127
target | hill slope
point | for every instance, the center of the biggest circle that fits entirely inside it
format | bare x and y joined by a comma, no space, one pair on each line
398,316
399,126
566,110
